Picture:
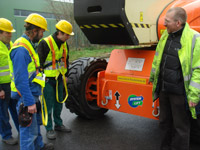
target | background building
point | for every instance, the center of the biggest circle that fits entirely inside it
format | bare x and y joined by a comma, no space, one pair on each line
17,10
53,10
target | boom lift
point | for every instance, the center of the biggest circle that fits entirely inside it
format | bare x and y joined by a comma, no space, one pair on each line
121,83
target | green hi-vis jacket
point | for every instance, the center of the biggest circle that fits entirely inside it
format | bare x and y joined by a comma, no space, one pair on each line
4,67
189,56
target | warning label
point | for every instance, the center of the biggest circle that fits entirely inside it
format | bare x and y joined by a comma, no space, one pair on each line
131,79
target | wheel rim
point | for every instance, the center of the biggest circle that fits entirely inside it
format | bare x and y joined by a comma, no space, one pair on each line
91,90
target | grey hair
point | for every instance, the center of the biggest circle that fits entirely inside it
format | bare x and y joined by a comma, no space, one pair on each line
179,14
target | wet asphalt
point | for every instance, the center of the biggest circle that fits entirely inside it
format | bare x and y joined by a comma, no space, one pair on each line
115,131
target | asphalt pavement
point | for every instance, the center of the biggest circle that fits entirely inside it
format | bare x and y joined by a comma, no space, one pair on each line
115,131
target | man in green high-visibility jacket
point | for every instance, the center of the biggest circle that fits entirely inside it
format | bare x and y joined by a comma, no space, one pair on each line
6,29
176,79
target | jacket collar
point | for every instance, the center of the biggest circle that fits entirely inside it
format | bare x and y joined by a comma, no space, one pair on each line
26,37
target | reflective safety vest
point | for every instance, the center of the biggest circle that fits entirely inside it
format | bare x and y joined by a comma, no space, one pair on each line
56,60
189,56
4,67
33,66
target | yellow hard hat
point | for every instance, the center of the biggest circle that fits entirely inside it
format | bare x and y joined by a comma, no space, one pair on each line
6,25
37,20
65,27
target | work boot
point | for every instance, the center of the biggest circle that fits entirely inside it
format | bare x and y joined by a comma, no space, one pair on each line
48,146
62,128
51,134
10,141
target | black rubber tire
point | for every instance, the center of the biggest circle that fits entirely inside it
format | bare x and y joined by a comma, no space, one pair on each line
79,72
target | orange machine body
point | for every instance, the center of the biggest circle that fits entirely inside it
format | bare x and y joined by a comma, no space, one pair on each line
124,86
192,8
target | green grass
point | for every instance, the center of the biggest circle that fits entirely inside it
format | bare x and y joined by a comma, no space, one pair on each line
103,51
89,52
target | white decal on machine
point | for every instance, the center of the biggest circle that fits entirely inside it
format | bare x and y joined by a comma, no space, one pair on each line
135,64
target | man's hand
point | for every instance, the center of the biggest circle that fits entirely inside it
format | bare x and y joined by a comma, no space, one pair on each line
32,109
191,104
2,94
66,79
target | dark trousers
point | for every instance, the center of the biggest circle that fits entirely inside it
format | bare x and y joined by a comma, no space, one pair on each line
52,105
174,122
195,130
5,105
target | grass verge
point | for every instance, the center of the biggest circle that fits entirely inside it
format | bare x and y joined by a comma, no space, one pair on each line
103,51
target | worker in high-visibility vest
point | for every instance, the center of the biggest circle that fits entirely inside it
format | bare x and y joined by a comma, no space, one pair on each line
6,30
175,76
26,82
53,54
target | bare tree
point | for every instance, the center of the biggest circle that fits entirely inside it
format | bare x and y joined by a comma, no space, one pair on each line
64,10
61,10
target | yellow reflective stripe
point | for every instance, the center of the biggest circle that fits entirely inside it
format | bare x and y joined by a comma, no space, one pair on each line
31,73
51,68
153,70
194,40
187,78
46,62
39,78
196,68
5,73
193,45
4,67
12,76
39,81
156,53
194,84
58,64
62,64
